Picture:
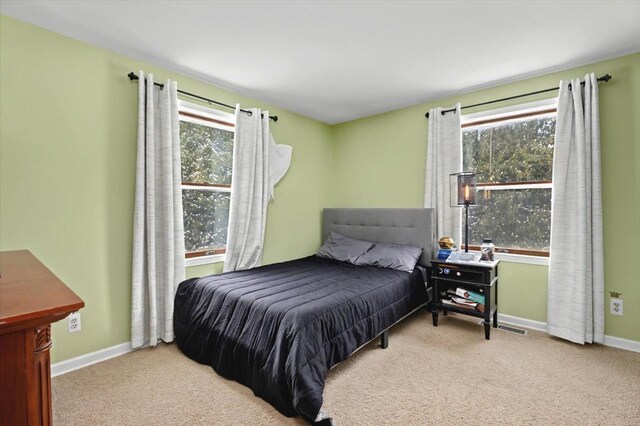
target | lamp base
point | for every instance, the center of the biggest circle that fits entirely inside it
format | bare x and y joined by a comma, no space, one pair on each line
466,228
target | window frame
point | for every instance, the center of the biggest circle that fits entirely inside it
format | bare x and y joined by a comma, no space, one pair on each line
205,116
514,113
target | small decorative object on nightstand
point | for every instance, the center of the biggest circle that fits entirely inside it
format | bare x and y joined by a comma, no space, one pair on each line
469,288
487,249
447,245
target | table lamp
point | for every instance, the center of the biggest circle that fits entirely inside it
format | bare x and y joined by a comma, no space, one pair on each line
463,193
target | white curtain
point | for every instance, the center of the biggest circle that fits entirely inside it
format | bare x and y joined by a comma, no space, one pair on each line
158,234
444,156
575,305
258,164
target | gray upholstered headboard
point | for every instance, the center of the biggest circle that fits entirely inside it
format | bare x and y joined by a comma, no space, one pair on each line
412,227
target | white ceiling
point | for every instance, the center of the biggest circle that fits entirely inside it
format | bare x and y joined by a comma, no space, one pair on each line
338,61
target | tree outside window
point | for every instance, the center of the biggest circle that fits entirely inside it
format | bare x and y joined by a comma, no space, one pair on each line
513,158
206,146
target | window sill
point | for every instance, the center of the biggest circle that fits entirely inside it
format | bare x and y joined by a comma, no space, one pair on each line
204,260
522,258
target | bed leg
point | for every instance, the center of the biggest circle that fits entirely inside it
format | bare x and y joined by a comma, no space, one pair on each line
384,339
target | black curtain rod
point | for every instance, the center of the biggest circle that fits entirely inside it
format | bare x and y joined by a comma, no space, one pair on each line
604,78
132,76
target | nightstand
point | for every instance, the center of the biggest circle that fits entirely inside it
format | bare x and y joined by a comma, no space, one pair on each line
480,278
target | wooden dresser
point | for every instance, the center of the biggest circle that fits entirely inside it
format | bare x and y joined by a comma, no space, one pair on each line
31,298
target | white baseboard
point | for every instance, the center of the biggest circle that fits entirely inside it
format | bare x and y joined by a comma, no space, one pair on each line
619,342
522,322
88,359
614,342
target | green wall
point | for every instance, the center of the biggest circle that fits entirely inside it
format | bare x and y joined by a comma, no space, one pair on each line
68,119
379,161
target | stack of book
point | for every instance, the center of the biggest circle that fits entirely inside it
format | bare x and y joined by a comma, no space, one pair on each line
443,254
465,299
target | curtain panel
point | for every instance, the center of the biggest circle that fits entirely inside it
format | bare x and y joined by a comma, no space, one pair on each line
258,164
158,234
575,298
444,157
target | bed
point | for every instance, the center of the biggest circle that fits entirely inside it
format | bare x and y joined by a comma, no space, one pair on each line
280,328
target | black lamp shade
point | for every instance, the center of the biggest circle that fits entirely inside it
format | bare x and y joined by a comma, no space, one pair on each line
463,189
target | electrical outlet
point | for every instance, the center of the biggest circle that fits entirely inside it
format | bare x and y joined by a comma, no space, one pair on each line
616,306
73,322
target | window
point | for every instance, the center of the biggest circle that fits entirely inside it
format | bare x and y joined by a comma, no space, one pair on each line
512,154
206,148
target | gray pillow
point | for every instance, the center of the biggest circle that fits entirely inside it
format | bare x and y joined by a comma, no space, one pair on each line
392,256
343,248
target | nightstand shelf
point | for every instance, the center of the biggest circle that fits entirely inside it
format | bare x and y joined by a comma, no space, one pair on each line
477,277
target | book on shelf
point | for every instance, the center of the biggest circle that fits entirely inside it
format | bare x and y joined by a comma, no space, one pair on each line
475,297
463,303
452,292
458,305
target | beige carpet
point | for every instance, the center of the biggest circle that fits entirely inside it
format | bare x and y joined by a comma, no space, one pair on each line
428,375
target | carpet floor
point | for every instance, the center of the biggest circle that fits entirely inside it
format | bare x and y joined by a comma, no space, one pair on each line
429,375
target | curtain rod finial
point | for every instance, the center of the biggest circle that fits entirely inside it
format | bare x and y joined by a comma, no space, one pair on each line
274,118
132,76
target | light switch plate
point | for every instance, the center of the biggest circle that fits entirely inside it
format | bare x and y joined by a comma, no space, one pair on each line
615,306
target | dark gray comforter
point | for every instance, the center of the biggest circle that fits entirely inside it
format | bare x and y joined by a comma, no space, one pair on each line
278,329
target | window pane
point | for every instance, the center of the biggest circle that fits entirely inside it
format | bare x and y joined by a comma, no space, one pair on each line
206,218
517,218
206,153
512,152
